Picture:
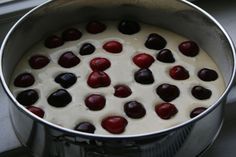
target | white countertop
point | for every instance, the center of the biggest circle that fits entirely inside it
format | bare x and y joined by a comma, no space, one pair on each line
225,13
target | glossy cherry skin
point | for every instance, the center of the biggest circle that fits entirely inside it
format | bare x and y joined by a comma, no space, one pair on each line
143,60
85,127
179,73
155,42
113,46
128,27
95,27
87,49
165,56
38,61
166,110
27,97
122,91
24,80
68,60
98,79
207,75
167,92
134,109
53,42
144,76
59,98
189,48
71,34
66,80
195,112
95,102
201,93
100,64
114,124
36,110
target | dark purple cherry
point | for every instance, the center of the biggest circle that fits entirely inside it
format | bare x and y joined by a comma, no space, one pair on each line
95,27
36,110
195,112
144,76
95,102
59,98
201,93
207,74
165,56
85,127
134,109
167,92
179,73
53,42
71,34
189,48
66,80
38,61
68,60
128,27
166,110
27,97
24,80
86,49
155,42
122,91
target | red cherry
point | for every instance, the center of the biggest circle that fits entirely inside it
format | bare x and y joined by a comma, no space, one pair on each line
113,47
68,60
95,27
98,79
95,102
179,73
143,60
122,91
37,111
114,124
38,61
99,64
166,110
189,48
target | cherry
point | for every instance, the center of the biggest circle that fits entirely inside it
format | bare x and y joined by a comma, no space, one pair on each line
167,92
37,111
38,61
113,46
195,112
68,60
71,34
98,79
155,42
59,98
179,73
114,124
166,110
201,93
66,80
95,102
143,60
85,127
53,42
95,27
207,74
27,97
86,49
122,91
128,27
134,109
99,64
24,80
144,76
189,48
165,56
